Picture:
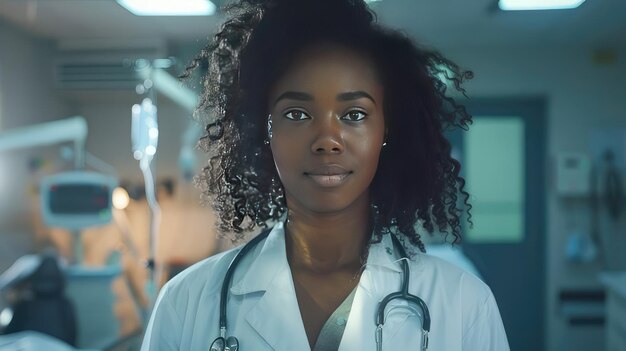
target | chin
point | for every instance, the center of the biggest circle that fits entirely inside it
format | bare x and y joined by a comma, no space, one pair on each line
328,203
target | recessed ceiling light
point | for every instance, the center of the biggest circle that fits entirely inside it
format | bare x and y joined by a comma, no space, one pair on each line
515,5
169,7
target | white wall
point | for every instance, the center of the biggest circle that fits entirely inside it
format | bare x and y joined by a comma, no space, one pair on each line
27,96
581,96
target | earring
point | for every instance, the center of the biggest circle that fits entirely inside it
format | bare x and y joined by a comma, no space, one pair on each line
269,126
384,144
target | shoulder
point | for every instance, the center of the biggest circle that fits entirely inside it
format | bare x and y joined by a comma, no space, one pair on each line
186,304
186,292
468,296
204,277
456,285
453,277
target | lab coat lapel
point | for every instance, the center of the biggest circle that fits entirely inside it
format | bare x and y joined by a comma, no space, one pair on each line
276,315
359,332
381,277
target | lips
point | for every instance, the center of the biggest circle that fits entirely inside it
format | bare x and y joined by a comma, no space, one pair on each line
328,175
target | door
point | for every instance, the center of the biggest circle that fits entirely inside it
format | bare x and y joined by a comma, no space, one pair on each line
503,161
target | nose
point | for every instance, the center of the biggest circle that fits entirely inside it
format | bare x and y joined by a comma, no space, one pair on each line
329,139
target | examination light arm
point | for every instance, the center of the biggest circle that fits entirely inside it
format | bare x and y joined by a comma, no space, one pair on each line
72,129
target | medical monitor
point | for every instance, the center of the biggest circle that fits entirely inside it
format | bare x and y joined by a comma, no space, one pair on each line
77,199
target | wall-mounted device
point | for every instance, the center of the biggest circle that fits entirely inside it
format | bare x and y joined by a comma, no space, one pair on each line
573,175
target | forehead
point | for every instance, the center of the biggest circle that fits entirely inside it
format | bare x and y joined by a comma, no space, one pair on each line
329,67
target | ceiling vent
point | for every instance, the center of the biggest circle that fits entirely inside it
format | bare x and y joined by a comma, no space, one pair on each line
103,68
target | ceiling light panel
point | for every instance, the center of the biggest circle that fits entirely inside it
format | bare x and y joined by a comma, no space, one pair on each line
517,5
169,7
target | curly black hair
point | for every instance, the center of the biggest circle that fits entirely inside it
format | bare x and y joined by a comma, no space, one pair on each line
417,180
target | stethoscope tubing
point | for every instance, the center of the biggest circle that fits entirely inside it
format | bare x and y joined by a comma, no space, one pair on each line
229,277
404,291
380,316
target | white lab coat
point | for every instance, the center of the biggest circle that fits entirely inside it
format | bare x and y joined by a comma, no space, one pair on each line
263,311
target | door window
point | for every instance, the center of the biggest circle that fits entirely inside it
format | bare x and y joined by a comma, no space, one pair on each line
494,171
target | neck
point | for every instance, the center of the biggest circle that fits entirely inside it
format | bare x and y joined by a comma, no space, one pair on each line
328,242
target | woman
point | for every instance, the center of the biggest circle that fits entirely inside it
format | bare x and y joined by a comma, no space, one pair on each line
330,128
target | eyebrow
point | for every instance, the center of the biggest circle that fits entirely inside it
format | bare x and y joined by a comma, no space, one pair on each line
348,96
294,95
354,95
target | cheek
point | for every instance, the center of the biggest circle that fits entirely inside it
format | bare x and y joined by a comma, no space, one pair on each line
368,156
285,156
367,146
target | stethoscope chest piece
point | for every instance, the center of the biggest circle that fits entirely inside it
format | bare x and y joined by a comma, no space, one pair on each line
229,344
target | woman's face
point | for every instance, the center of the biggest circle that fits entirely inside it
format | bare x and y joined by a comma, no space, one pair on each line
327,128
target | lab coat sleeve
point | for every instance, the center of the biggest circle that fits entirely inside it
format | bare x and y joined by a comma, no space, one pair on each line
164,329
486,333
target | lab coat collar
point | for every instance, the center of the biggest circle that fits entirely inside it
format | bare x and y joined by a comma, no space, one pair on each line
269,272
273,259
383,255
276,315
382,276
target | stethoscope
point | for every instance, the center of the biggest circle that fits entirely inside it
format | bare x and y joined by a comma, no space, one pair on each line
223,343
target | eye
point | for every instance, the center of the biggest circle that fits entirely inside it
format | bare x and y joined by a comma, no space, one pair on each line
297,115
354,116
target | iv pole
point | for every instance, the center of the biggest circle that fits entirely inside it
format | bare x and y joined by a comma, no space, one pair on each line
154,77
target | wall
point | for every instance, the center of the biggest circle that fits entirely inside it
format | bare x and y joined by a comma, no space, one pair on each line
27,96
581,96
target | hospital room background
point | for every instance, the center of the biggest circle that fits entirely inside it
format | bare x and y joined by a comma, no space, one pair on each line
98,156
